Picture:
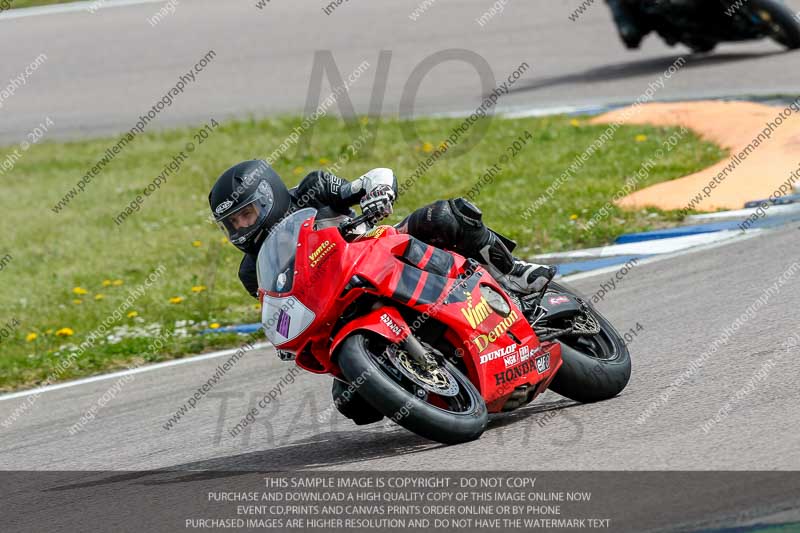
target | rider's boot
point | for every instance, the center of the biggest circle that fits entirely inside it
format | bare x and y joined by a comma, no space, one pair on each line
512,273
527,278
630,32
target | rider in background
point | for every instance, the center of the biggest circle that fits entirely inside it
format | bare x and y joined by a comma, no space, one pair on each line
630,30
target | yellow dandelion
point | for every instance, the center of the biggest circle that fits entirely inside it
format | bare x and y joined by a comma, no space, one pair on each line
298,170
573,216
364,121
198,288
30,337
80,291
442,146
106,283
65,332
77,302
215,325
133,314
99,296
176,299
427,148
324,161
224,240
197,244
117,282
575,122
640,138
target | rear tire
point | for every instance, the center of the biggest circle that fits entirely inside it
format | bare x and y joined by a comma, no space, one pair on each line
387,395
588,379
783,19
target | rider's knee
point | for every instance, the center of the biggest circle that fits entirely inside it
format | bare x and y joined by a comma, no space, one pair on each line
434,224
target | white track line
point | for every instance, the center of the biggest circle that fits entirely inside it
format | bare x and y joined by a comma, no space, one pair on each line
649,247
72,7
138,370
661,257
736,214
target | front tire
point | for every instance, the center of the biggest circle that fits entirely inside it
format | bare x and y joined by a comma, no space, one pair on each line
786,29
361,360
593,369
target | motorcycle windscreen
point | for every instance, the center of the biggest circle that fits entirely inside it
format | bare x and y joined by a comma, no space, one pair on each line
276,259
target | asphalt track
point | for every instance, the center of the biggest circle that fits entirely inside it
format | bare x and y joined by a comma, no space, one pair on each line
682,303
103,70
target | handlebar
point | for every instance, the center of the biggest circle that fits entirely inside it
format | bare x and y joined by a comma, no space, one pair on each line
346,227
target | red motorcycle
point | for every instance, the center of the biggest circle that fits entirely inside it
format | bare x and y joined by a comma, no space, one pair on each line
425,336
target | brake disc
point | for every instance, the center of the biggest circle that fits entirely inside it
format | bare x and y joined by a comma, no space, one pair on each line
586,324
433,379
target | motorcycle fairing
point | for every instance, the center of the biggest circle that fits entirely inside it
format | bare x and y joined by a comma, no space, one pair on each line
385,321
442,286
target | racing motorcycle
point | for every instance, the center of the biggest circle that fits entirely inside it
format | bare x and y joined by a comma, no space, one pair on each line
425,336
702,24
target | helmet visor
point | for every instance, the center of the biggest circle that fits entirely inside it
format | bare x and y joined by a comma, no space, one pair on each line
243,222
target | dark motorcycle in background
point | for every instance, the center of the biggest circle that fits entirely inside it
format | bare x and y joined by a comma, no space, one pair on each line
702,24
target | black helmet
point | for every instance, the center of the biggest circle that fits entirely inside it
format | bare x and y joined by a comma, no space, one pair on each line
246,201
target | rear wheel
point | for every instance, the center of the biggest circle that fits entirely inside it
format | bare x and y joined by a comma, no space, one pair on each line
595,367
785,27
443,406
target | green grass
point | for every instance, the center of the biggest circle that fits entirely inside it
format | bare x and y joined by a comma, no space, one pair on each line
29,3
81,247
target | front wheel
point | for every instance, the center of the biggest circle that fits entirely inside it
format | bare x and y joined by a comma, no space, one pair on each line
456,415
785,27
595,367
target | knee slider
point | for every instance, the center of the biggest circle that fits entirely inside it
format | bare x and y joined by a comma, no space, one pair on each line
466,212
472,232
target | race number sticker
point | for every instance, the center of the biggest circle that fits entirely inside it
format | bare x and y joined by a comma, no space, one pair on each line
543,363
284,319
